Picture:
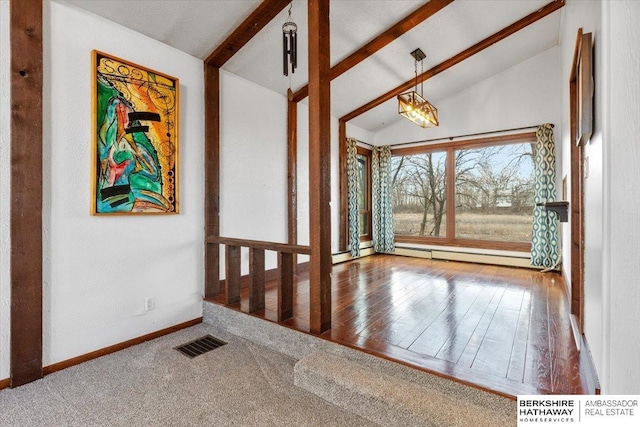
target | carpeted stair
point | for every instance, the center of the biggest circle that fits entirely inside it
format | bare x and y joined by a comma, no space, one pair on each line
376,389
391,400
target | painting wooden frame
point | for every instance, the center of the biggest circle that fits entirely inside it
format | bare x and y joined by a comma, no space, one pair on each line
135,117
581,89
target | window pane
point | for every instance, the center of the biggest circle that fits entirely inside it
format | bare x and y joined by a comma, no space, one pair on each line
419,196
494,193
362,182
364,223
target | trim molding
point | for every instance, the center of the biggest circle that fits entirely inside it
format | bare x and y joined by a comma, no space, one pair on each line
588,368
116,347
4,383
346,256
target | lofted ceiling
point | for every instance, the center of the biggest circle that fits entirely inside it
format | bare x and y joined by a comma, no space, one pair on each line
198,26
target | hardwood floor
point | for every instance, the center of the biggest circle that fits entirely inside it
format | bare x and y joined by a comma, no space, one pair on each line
502,329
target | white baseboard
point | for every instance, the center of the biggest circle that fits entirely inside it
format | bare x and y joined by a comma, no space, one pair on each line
482,259
415,253
346,256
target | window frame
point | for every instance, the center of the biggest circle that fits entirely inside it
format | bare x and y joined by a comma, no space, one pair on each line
366,153
450,232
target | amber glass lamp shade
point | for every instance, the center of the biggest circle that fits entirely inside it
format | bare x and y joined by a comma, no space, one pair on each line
417,109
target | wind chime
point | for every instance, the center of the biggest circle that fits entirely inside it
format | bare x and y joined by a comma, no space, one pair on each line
289,45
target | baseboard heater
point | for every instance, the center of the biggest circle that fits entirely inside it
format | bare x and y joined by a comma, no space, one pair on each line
504,260
510,261
346,256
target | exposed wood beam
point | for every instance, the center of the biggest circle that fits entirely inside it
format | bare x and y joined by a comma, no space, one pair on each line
212,179
251,26
26,191
344,200
292,172
465,54
255,22
406,24
319,167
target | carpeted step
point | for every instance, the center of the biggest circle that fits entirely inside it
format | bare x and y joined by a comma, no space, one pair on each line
391,400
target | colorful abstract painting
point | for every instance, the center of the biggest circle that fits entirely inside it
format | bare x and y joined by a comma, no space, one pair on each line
135,139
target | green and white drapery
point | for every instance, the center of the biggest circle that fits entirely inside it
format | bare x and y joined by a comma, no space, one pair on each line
545,251
383,238
352,198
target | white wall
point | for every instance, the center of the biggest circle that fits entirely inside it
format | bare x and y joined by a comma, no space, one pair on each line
360,134
524,95
253,157
621,301
303,175
253,165
5,187
98,270
583,14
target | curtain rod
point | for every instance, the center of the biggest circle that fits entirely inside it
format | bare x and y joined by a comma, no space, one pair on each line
451,138
365,143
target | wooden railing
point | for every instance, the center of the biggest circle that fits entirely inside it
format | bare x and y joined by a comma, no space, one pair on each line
257,272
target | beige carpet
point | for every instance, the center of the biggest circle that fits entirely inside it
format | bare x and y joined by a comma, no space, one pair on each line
239,384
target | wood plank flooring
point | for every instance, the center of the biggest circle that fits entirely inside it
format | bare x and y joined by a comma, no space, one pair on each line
498,328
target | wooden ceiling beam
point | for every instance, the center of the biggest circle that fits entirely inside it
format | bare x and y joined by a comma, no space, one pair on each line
251,26
465,54
406,24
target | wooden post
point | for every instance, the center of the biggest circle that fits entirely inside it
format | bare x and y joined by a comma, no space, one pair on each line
212,179
344,199
26,191
319,167
292,173
241,35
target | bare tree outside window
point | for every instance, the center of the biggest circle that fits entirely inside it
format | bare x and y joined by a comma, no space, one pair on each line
494,196
419,194
493,193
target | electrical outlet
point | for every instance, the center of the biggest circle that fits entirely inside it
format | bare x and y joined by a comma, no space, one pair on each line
149,303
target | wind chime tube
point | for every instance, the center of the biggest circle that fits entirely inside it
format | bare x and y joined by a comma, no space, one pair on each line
294,54
285,66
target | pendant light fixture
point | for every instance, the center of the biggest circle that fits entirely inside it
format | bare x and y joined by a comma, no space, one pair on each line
412,105
289,44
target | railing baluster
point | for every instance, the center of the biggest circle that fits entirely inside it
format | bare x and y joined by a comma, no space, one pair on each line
285,286
232,273
256,280
212,270
257,275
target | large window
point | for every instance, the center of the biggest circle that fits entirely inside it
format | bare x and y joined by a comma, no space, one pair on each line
476,193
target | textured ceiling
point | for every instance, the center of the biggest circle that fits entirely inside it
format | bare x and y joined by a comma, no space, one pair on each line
198,26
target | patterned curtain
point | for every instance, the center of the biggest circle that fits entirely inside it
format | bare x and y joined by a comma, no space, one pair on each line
383,238
545,251
352,197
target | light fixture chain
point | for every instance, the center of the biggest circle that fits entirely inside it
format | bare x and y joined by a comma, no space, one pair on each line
422,80
415,71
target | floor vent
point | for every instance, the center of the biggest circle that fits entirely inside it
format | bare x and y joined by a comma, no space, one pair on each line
200,346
